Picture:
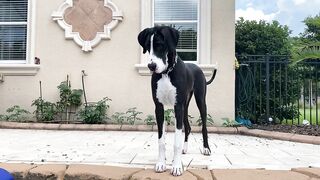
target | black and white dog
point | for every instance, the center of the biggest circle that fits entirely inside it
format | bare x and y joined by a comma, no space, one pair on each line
173,84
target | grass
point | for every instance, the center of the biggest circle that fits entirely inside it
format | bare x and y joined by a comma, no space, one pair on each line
305,115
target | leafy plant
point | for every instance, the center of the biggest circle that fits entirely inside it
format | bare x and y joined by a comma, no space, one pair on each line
45,110
312,31
132,115
65,92
95,113
261,37
150,120
209,120
168,116
230,123
3,117
68,98
190,118
119,117
304,49
15,113
75,97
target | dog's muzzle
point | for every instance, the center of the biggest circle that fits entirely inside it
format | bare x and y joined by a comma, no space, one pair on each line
152,66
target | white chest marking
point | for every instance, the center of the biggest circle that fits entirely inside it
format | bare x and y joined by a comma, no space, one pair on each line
166,92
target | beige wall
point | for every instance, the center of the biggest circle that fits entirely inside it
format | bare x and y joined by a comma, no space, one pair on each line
223,49
110,67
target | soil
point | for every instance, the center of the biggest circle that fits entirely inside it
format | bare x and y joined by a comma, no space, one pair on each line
313,130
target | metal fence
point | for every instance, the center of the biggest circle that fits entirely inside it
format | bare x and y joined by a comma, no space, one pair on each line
271,89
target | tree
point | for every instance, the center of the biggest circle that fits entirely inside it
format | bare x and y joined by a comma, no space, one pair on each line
261,37
312,32
304,49
307,46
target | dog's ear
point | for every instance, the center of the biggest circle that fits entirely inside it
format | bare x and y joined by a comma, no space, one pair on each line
143,37
171,36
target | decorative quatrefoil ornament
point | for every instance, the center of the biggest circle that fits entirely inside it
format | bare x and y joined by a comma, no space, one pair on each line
87,22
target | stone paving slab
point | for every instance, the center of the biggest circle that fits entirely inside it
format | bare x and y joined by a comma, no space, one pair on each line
140,149
67,154
84,172
152,175
19,171
47,171
195,129
258,174
201,174
312,172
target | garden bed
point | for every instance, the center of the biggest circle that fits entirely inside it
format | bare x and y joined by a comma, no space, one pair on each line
312,130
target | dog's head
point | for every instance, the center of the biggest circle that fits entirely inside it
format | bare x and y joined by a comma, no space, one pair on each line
161,43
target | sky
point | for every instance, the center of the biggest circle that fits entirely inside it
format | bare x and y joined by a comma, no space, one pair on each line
287,12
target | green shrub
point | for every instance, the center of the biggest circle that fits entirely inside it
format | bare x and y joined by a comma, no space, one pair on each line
230,123
150,120
119,117
95,113
209,120
75,97
132,115
15,113
68,98
45,110
169,116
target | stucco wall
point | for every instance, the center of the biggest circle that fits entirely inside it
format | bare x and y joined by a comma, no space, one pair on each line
223,48
110,67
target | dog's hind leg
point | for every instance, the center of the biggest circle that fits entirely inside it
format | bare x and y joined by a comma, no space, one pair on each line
161,164
200,94
187,128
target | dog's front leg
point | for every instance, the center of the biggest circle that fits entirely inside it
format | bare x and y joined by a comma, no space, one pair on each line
161,164
177,167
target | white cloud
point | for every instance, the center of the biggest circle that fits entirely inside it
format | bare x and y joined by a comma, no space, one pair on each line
250,4
293,12
287,12
299,2
298,5
254,14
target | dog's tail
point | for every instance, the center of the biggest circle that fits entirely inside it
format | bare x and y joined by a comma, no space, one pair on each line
213,76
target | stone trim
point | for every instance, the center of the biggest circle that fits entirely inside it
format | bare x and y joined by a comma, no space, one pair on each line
196,129
19,69
87,45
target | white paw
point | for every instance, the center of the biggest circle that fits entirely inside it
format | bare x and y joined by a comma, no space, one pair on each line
160,167
206,152
177,170
185,148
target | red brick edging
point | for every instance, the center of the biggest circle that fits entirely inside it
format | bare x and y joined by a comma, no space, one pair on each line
125,127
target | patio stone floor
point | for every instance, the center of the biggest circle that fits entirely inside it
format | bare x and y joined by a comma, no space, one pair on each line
139,150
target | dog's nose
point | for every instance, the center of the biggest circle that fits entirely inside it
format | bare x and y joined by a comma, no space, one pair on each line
152,66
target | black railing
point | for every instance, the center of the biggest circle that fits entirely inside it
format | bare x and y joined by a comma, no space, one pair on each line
271,89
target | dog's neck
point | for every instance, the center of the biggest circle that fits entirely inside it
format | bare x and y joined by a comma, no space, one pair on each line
172,57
